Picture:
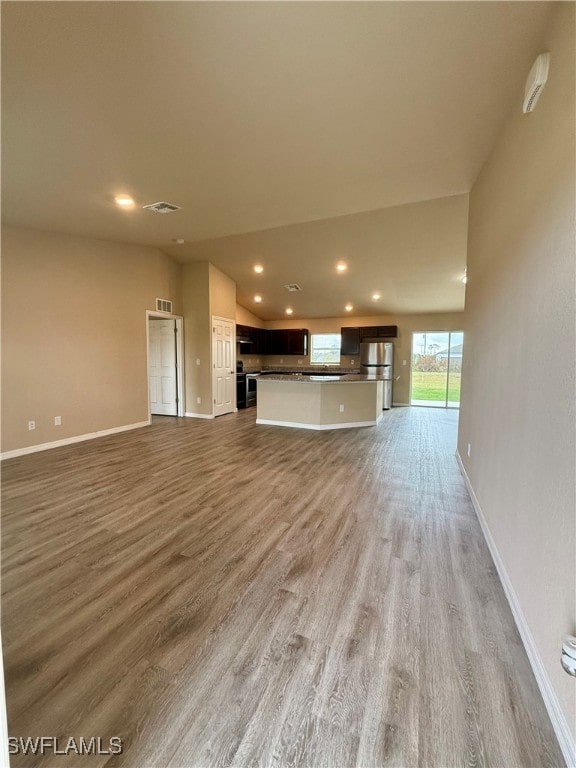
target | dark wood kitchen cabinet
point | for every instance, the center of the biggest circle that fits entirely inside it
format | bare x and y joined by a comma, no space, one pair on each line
379,332
260,341
352,337
284,341
287,341
297,342
350,341
275,342
251,340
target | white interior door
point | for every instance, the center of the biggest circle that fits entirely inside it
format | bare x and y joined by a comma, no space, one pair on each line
162,367
224,381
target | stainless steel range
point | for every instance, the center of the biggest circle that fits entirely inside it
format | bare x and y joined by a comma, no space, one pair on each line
251,388
245,386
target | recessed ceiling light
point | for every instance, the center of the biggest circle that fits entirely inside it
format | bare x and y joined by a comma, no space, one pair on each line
257,299
178,240
341,266
289,310
258,268
124,201
348,307
375,296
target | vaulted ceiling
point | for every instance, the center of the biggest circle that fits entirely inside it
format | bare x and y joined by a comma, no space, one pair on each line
261,118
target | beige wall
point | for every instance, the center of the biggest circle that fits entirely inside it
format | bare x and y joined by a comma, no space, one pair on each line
74,333
407,324
206,291
518,377
222,294
197,337
245,317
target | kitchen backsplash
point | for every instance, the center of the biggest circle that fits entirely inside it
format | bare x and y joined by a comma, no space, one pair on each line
253,362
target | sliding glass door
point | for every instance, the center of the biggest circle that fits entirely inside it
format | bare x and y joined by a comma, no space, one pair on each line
436,368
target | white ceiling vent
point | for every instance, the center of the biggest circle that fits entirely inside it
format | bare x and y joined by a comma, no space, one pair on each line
536,82
163,305
161,207
292,287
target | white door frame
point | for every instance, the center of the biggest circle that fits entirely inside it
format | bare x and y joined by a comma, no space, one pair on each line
179,357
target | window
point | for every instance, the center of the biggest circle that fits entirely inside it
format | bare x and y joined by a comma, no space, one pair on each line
325,349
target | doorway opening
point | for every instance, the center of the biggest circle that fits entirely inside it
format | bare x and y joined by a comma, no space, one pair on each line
436,368
165,371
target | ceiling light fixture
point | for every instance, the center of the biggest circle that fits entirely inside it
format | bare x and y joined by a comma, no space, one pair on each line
124,201
289,310
341,266
258,299
258,268
348,307
375,296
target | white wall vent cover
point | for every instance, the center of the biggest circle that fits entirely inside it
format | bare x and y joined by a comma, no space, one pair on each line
161,207
536,82
163,305
292,287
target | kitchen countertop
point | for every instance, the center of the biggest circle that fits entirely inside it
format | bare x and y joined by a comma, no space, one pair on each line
287,371
346,378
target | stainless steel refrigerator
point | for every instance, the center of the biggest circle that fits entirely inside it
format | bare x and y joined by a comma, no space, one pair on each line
377,359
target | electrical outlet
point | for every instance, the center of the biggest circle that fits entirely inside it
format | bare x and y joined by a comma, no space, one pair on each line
299,362
468,450
281,359
341,407
198,400
31,425
197,361
351,362
57,421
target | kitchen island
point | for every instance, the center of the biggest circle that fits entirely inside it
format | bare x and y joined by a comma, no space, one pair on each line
319,402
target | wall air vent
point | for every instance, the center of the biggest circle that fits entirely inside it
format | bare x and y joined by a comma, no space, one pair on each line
161,207
163,305
292,287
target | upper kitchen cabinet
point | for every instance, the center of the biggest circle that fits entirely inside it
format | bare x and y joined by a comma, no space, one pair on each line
351,337
350,341
259,341
287,341
297,342
376,332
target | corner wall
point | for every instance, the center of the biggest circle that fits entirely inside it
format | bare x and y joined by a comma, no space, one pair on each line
197,338
74,333
518,382
206,291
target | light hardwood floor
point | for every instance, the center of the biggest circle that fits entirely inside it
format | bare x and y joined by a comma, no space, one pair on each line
218,593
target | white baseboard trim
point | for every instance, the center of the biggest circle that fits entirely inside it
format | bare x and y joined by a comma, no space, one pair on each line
557,717
298,425
199,415
399,405
71,440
